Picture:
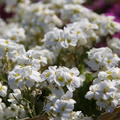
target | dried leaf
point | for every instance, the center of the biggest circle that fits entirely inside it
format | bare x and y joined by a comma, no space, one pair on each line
115,115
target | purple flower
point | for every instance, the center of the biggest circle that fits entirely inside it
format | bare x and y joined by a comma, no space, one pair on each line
97,4
114,11
117,35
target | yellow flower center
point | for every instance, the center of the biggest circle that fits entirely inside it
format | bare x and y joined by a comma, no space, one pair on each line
61,79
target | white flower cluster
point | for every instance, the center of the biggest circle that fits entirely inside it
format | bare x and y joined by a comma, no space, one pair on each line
63,76
23,75
106,89
76,12
78,33
13,111
102,58
61,105
10,49
48,61
12,31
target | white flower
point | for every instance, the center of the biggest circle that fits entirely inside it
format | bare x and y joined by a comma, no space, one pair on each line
2,106
49,74
63,76
79,116
15,96
3,90
64,107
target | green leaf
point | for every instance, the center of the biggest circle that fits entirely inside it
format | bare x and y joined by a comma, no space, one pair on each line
88,107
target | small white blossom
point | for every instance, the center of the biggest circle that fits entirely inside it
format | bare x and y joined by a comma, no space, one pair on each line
64,107
79,116
15,96
3,90
11,49
14,111
13,32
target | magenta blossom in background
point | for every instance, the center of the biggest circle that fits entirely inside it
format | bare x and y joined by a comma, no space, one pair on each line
96,4
117,35
3,14
115,11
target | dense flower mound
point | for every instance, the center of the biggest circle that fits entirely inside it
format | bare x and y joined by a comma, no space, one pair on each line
51,62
